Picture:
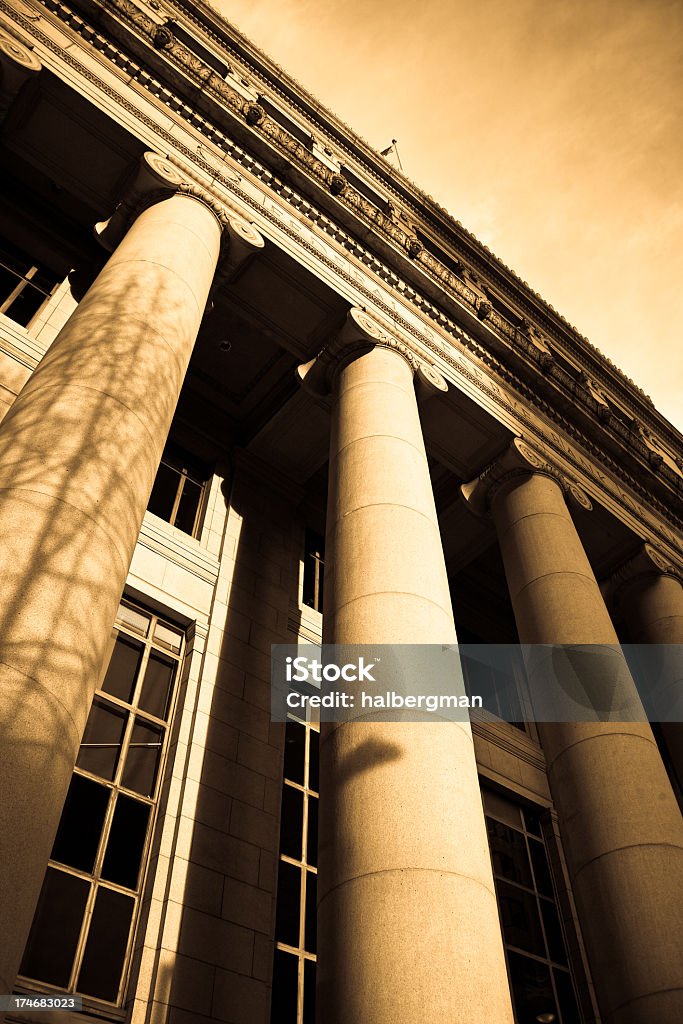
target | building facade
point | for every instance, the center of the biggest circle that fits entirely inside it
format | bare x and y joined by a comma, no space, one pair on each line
257,389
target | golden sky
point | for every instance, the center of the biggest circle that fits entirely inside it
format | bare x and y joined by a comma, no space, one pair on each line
552,129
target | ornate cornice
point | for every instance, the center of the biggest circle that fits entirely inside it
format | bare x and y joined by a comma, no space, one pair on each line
518,460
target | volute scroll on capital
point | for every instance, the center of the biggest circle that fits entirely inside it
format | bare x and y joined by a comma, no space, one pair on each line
18,63
359,335
157,178
518,460
648,562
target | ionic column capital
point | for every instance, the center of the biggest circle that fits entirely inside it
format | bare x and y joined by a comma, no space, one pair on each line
648,562
518,460
359,335
156,178
17,65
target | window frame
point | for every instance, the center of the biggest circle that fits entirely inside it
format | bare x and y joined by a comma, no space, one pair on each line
116,788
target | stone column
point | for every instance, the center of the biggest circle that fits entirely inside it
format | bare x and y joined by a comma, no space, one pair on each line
79,451
647,594
620,825
408,928
17,65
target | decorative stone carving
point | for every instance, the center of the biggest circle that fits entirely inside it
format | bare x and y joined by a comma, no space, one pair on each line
518,459
337,184
241,240
359,335
17,65
414,247
163,37
648,561
254,113
484,309
154,180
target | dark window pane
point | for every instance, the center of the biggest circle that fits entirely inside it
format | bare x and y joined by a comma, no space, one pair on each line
539,859
311,921
309,992
142,760
26,305
312,845
126,842
520,918
80,827
553,932
295,738
101,744
508,853
566,997
532,820
105,948
314,569
531,988
56,928
288,904
164,492
188,505
285,988
123,668
157,685
314,761
291,822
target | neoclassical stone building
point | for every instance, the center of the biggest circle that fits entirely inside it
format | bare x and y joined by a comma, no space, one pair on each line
249,372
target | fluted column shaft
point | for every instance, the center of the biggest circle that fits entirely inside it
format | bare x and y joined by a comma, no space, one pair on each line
621,828
408,928
79,450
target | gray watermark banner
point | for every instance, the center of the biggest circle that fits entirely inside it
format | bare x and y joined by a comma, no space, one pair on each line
516,683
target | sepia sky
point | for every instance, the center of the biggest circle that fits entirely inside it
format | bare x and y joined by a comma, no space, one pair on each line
552,130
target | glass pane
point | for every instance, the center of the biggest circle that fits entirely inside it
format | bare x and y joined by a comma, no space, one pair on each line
142,761
531,988
311,921
553,932
102,739
291,822
105,948
314,761
288,904
539,859
133,618
164,492
566,997
532,820
80,827
309,992
285,988
168,637
126,842
295,739
56,928
157,685
312,844
187,506
520,919
508,853
26,305
123,668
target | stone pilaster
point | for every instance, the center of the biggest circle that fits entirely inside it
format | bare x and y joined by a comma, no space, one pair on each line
408,928
79,451
620,825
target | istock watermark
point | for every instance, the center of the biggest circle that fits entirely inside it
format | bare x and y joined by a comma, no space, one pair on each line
510,682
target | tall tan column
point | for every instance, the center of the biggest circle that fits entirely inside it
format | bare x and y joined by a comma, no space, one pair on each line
620,825
648,594
79,450
408,929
